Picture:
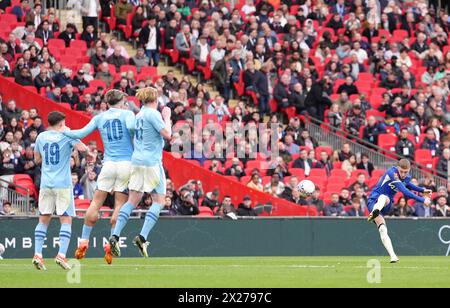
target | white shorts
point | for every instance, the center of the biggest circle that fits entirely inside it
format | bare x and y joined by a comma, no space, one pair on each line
114,176
59,200
148,179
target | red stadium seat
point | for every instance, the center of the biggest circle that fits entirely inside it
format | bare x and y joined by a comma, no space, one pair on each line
299,173
316,172
423,157
387,142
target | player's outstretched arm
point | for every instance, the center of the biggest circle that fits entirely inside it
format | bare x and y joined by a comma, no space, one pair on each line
82,133
411,186
407,193
130,122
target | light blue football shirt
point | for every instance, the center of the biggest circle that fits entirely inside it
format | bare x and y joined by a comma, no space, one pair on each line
116,127
55,149
148,142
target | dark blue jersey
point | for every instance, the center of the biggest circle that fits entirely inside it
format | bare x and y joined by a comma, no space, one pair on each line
390,184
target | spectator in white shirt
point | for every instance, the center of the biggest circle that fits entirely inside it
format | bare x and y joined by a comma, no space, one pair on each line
361,53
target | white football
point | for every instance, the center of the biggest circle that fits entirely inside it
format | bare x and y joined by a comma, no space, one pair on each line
306,187
2,249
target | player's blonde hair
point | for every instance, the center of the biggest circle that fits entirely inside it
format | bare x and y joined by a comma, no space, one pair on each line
147,95
404,164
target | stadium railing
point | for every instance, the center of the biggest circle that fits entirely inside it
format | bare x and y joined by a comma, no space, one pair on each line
335,137
18,196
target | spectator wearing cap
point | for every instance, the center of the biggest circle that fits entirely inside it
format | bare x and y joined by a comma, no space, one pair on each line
140,59
68,35
355,119
245,208
79,82
201,51
150,39
186,205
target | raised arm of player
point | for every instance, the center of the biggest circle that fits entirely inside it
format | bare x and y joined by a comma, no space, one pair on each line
130,122
166,132
82,133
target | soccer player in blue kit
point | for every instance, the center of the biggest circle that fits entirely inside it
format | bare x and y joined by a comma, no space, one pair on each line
54,150
396,179
116,127
147,172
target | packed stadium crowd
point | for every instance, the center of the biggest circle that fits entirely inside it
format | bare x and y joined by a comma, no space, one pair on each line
371,68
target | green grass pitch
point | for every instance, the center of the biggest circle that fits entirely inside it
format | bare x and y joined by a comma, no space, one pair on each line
234,272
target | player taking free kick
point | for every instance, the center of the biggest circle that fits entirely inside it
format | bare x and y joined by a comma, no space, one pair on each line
396,179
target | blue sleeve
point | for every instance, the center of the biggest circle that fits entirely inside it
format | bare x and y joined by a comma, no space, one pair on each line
156,120
406,192
130,122
81,133
38,147
411,186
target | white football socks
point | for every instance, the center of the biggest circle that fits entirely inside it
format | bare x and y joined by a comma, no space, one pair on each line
385,239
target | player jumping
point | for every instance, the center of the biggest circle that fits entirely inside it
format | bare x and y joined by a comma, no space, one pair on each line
396,179
147,172
116,127
54,150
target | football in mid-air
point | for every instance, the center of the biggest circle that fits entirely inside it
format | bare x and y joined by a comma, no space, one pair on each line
306,187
